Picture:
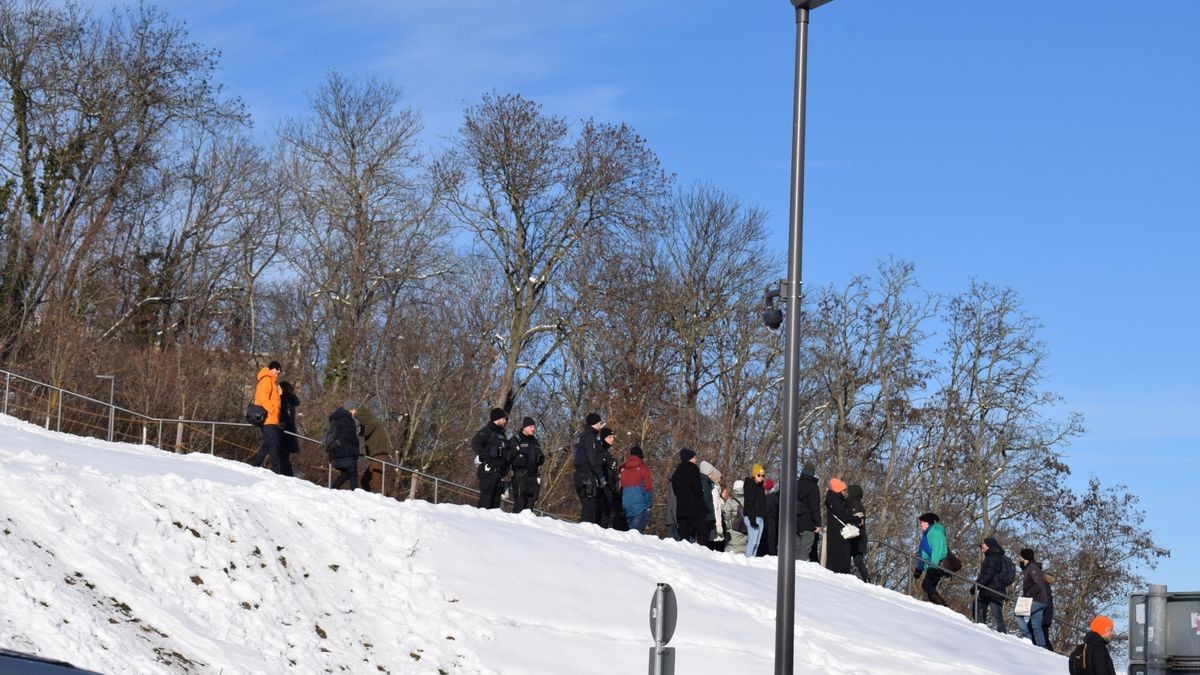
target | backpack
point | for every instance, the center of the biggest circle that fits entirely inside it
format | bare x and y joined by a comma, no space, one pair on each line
1007,574
1077,661
739,523
331,442
951,562
256,414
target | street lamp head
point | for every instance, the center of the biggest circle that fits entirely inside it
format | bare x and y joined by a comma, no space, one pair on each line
809,4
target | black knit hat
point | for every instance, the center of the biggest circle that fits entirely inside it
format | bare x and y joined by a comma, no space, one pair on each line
636,451
686,455
593,419
1027,554
274,365
605,432
497,414
928,517
528,422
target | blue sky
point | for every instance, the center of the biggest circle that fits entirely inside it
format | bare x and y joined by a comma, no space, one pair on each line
1050,147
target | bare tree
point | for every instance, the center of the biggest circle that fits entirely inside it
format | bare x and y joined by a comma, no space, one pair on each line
531,194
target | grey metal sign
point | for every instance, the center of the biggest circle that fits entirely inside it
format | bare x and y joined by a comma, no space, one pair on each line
663,613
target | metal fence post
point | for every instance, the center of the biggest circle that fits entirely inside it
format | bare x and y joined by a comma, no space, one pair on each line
435,490
179,435
212,441
160,442
7,382
383,479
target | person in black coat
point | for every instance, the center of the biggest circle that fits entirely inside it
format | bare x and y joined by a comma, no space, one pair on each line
770,544
754,508
1033,585
289,444
1095,658
991,598
690,511
490,446
344,455
527,458
858,545
837,551
808,512
590,482
612,515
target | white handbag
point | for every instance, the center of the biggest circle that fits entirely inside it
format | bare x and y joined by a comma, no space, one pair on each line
849,531
1024,606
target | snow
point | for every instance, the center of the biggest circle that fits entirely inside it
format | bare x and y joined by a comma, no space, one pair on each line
125,559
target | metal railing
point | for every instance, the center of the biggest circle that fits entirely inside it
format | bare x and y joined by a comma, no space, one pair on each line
978,586
43,404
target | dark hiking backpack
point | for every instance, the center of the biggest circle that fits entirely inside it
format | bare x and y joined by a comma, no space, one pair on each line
331,442
1007,574
1077,661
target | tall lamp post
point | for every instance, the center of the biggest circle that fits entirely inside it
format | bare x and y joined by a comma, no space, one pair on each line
785,602
112,386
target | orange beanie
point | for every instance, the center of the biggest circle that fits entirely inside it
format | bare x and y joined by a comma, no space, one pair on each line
1101,625
837,485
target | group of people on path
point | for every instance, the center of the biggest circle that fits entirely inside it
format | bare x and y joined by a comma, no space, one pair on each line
353,431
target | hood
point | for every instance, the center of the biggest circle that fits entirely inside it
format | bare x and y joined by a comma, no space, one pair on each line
854,492
994,546
265,372
633,462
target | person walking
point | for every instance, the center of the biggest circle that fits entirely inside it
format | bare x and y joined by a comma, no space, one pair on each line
710,483
808,511
343,453
995,574
755,509
735,520
267,394
837,516
1033,585
770,543
1092,657
932,552
590,483
375,444
527,459
289,442
858,545
689,499
490,445
637,490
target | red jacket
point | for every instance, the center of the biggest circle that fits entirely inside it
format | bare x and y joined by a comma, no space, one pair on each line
635,472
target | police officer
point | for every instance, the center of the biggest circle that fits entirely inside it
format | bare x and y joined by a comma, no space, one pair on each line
527,458
590,482
490,446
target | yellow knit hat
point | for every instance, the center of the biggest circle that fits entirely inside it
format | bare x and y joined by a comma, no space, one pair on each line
758,468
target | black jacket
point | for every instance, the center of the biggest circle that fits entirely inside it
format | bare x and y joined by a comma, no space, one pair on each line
1033,584
854,507
490,445
808,504
588,458
755,504
989,571
1096,659
287,422
527,455
837,550
689,494
346,452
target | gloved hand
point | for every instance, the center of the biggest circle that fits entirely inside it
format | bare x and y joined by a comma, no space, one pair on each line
603,483
972,591
916,574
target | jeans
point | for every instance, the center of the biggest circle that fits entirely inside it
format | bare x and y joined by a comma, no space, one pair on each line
1035,618
281,462
639,521
754,533
982,606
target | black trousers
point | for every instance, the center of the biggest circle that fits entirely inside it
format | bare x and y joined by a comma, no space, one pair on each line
348,473
281,461
490,488
525,491
929,584
589,503
693,528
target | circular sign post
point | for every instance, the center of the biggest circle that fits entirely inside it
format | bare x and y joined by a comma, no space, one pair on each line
663,613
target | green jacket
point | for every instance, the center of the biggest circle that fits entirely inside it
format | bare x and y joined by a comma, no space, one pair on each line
933,546
375,439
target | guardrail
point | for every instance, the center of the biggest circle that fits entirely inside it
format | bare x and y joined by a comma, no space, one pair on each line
978,586
45,404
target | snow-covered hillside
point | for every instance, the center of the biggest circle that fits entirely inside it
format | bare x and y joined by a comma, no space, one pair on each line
125,559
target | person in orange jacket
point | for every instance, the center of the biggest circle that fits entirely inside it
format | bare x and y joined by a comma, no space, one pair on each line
267,394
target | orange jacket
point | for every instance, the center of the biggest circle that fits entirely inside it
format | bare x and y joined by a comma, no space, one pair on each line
266,394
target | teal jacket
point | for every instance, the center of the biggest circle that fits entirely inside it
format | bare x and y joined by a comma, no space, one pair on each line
933,546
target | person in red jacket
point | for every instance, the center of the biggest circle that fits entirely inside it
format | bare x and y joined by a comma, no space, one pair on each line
268,394
637,494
